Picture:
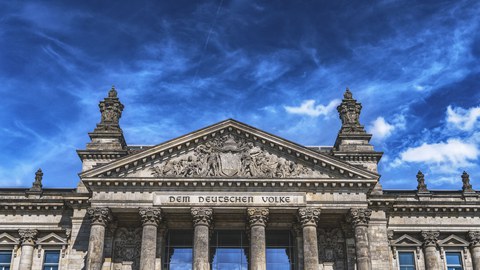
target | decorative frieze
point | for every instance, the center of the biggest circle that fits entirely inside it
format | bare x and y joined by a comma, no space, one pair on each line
359,216
150,216
100,215
202,216
430,238
257,216
28,236
309,216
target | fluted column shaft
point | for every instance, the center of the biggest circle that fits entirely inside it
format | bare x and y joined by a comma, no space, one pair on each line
27,240
430,248
474,237
202,219
99,218
257,220
150,218
309,219
359,218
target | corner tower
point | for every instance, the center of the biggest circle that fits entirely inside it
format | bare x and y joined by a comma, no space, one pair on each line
353,142
107,141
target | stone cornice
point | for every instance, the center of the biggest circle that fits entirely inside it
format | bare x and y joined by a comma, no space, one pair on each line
202,216
309,216
257,216
150,216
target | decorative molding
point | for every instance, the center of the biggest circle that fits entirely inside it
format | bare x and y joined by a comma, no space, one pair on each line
453,241
202,216
257,216
7,239
359,216
309,216
430,238
52,239
28,236
150,216
100,216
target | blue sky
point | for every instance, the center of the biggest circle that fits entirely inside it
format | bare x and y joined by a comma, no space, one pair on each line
281,66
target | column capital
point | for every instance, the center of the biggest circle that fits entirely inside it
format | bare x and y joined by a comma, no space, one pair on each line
202,216
359,216
150,215
474,237
28,236
309,216
100,215
257,216
430,238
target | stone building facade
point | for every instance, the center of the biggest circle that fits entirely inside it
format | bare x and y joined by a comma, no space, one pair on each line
231,196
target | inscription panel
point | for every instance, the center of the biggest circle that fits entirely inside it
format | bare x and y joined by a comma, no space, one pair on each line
229,199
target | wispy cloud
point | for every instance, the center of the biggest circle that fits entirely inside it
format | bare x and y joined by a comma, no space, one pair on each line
463,119
309,108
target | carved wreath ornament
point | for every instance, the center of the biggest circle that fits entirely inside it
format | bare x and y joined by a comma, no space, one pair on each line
231,156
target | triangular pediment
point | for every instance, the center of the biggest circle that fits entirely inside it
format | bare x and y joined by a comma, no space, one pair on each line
52,239
406,240
453,240
229,149
7,239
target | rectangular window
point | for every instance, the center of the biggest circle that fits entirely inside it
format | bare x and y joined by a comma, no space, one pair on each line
280,250
179,250
454,260
51,260
5,259
406,260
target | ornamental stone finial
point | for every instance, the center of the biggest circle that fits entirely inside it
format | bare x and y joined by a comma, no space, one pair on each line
257,216
430,238
111,109
474,237
37,184
202,216
28,236
349,112
100,215
359,216
309,216
466,187
421,187
150,216
112,93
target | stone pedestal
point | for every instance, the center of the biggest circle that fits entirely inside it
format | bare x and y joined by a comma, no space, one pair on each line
202,219
99,218
150,218
359,218
257,220
474,237
27,240
430,239
309,218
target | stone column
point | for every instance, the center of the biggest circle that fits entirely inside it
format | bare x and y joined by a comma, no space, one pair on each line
27,240
150,218
202,219
359,218
99,218
430,248
309,219
257,220
474,237
297,229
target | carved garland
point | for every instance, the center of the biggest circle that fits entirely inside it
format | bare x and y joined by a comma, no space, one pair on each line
202,216
309,216
150,216
257,216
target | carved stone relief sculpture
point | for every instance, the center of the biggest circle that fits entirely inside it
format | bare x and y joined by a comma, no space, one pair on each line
232,156
127,246
331,246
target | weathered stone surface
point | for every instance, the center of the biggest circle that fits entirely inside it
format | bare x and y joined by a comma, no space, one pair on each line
309,218
257,219
202,219
359,218
474,237
150,218
430,239
27,240
99,218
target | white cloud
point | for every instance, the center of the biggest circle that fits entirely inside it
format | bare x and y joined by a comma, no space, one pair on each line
380,128
463,119
445,156
309,108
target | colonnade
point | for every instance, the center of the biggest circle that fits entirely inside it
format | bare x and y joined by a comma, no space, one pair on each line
202,221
